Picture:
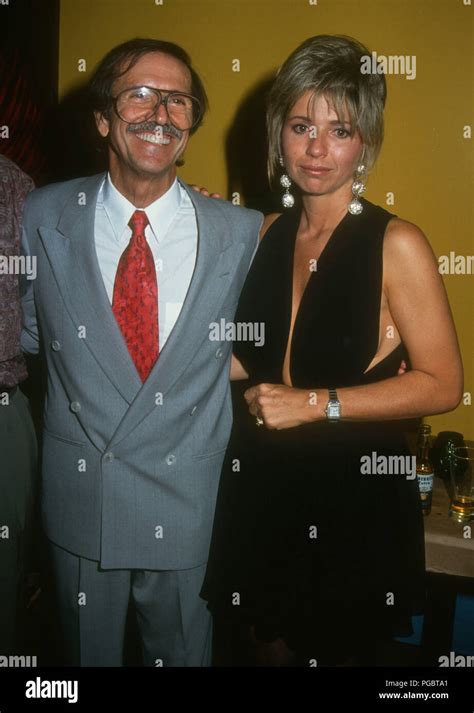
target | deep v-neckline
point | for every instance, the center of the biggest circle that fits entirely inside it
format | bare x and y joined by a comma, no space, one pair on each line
328,248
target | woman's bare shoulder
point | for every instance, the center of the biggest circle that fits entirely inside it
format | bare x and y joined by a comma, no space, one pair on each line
407,250
405,240
403,232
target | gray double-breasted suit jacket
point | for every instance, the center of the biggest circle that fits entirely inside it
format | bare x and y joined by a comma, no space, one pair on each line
130,470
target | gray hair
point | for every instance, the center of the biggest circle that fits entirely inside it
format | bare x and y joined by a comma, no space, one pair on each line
329,66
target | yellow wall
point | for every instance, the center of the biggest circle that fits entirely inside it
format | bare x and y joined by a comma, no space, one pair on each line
425,161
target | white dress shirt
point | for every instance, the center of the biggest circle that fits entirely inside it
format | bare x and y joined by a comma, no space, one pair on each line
171,235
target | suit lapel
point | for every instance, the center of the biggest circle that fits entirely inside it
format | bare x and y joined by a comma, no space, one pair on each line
71,250
217,258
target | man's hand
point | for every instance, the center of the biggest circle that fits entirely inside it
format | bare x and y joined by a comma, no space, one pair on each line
281,406
205,192
402,368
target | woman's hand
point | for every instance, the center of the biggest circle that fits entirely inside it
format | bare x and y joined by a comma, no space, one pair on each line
204,191
281,406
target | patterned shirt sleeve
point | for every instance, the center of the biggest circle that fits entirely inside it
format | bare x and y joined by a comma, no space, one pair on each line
14,187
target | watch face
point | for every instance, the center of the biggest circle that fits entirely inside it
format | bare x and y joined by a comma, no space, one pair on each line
333,409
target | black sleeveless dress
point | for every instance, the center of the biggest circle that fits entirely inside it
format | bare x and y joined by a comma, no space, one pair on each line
304,545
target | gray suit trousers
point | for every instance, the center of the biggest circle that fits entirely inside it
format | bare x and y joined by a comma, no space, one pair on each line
174,623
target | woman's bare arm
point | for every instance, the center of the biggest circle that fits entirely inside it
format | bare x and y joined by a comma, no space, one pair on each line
419,306
237,371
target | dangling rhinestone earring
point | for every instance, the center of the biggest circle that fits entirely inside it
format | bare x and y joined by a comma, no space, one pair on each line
288,201
355,207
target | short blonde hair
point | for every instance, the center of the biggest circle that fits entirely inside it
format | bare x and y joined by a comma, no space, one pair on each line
330,66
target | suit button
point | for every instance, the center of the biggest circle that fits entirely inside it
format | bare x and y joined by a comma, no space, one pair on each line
170,459
108,457
55,346
75,406
219,353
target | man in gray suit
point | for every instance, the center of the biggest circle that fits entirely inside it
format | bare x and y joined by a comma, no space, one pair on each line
132,269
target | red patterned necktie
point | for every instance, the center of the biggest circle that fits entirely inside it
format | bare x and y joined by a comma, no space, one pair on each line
135,300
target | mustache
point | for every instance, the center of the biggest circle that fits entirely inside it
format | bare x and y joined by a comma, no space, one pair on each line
152,127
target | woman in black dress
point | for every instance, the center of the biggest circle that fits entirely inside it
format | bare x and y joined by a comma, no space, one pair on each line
317,553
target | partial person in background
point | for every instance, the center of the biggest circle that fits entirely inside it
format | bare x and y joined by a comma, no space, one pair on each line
18,447
314,556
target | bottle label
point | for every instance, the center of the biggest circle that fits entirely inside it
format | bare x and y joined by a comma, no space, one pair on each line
425,483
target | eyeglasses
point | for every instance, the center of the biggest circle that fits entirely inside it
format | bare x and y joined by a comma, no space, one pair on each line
138,104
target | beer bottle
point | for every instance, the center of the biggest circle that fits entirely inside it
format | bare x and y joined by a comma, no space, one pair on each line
442,450
424,469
